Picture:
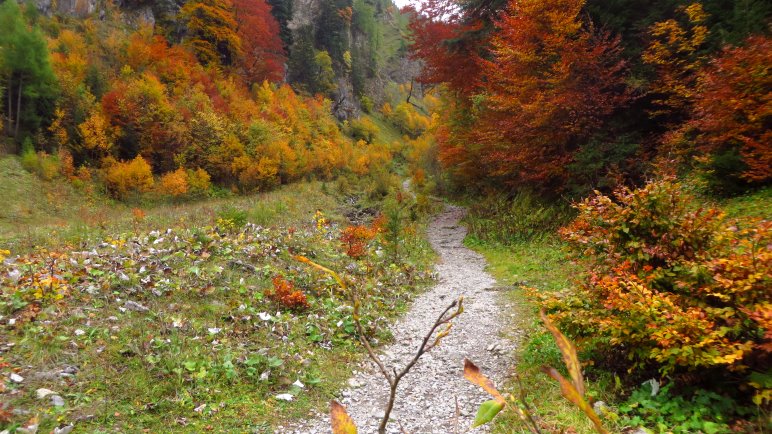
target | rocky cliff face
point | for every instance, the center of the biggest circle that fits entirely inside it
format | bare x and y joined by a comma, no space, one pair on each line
353,33
78,8
136,11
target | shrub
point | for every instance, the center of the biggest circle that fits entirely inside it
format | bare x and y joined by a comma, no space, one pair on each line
398,215
367,104
45,166
48,166
721,173
259,175
408,119
231,218
124,177
199,182
704,411
285,294
29,159
83,173
387,110
175,183
66,163
363,129
670,287
356,238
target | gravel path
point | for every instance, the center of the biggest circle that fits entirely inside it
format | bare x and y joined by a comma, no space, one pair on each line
426,396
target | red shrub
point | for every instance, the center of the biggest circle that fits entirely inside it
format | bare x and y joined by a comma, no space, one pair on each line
285,294
355,239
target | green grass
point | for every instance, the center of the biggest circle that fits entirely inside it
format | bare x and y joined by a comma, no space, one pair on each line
387,132
166,370
54,213
754,205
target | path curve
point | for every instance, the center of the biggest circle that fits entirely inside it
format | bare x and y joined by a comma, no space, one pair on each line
426,396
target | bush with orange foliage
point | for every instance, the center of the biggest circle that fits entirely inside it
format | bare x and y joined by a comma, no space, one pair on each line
671,287
66,163
285,294
355,240
124,177
257,175
138,214
174,183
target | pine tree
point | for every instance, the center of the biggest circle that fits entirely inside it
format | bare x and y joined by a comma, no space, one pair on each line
282,11
26,66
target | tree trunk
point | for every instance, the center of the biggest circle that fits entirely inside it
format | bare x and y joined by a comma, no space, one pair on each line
18,109
10,105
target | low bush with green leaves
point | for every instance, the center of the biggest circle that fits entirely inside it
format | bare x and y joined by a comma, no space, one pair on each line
663,410
508,220
44,165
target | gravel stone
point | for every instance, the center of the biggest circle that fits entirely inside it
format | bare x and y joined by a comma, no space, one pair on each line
43,393
133,305
57,401
426,397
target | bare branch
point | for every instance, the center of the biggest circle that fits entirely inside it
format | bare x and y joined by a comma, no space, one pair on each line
444,318
393,378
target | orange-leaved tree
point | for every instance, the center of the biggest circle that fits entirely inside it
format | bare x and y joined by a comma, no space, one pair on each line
551,83
731,112
212,31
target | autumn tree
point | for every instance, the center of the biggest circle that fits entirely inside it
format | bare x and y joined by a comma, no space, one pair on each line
440,39
262,56
729,124
324,75
97,135
26,65
550,85
212,31
675,53
149,124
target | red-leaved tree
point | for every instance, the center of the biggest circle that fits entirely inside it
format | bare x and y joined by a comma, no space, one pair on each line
732,108
262,55
441,39
550,84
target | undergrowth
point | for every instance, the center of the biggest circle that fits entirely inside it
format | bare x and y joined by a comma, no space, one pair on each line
531,255
520,218
204,324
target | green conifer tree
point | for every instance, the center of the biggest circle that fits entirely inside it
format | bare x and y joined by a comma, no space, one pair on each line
26,68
